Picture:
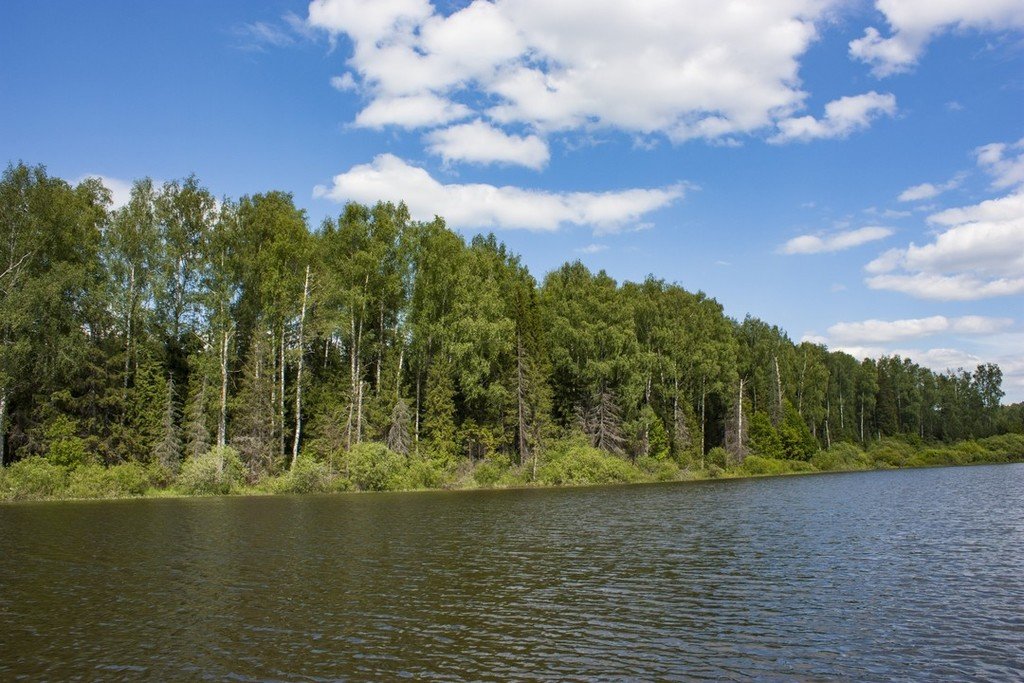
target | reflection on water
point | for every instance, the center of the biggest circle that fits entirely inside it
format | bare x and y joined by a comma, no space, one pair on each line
858,576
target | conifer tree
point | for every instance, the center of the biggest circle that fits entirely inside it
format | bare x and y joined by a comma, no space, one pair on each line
399,438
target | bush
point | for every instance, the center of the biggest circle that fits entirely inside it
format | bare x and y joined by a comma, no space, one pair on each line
757,465
491,470
308,476
1004,447
717,457
33,478
576,462
374,467
96,481
658,469
842,456
218,471
890,453
424,474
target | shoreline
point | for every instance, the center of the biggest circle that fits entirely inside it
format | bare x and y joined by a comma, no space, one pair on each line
702,477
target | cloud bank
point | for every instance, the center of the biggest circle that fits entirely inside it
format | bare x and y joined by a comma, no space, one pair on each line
684,69
484,206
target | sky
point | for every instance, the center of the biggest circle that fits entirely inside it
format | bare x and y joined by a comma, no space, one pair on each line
852,171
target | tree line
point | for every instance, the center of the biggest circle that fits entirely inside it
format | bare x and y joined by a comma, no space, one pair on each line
181,322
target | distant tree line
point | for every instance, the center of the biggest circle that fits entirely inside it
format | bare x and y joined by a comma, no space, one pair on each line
180,322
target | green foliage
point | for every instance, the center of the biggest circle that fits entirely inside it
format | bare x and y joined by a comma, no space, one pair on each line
717,457
796,439
216,472
759,466
764,438
492,470
33,478
574,462
658,468
425,474
119,481
68,452
890,453
308,476
374,467
842,456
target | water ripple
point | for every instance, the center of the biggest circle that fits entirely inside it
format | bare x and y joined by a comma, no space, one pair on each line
874,576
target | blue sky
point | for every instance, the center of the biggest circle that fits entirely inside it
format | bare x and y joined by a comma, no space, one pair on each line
853,171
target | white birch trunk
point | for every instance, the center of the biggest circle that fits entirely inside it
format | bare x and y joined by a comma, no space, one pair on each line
298,374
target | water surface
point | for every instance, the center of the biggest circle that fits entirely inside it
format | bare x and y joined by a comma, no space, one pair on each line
869,576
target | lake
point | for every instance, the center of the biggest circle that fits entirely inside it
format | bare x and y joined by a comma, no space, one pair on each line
866,576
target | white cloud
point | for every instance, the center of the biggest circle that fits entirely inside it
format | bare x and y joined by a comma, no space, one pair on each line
980,254
479,205
120,190
881,331
592,249
682,69
478,142
929,190
1007,170
816,244
344,82
413,111
914,23
842,117
259,35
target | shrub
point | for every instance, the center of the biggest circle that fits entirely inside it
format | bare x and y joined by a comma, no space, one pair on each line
424,474
491,470
33,477
375,467
717,457
580,463
890,453
658,469
217,471
758,465
96,481
1004,447
308,476
841,456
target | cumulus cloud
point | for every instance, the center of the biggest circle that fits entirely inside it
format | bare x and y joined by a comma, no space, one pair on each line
837,241
979,254
914,23
478,142
842,117
1006,169
685,69
413,111
882,331
120,190
928,190
479,205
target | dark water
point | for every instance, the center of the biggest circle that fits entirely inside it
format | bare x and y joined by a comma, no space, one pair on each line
910,574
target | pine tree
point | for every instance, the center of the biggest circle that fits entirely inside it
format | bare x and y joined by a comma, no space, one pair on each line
253,426
168,450
439,413
602,423
399,438
197,432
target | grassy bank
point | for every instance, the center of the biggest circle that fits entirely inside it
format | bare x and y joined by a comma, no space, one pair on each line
372,467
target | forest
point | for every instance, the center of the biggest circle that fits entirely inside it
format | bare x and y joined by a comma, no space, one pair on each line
201,344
